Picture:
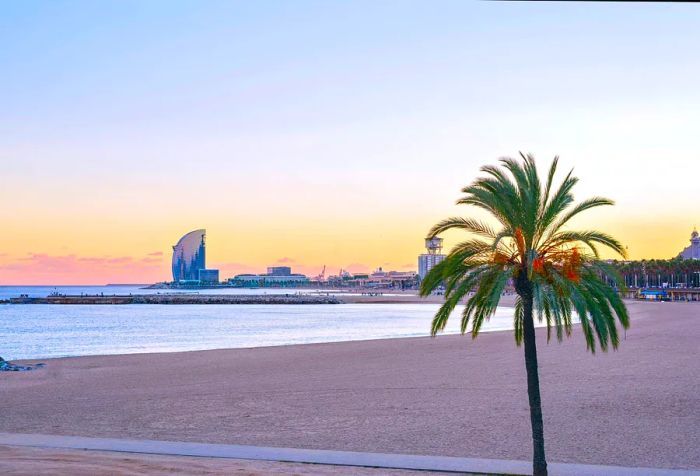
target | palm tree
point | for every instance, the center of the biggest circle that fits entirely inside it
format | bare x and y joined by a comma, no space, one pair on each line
556,271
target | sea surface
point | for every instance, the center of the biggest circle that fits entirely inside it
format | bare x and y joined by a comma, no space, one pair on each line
44,331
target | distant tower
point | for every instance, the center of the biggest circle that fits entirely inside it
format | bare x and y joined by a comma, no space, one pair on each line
427,261
433,245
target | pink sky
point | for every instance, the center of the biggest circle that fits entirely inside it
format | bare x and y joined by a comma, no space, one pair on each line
34,269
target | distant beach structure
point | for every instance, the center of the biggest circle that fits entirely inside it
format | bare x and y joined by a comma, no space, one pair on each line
429,260
692,251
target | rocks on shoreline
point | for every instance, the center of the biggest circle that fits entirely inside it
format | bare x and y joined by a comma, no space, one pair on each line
6,366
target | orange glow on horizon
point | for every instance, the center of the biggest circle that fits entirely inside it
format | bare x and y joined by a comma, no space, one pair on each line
145,258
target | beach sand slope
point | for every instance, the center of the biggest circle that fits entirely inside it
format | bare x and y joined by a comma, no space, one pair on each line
453,396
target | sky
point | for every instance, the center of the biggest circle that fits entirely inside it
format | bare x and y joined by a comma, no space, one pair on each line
327,133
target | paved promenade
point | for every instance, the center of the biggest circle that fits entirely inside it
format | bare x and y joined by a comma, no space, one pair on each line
444,464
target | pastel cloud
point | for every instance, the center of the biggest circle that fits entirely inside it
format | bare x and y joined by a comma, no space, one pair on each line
42,268
357,268
45,268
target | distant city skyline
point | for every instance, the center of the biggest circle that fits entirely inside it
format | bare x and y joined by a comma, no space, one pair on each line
311,134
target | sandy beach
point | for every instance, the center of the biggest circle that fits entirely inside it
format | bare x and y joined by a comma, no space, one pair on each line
639,406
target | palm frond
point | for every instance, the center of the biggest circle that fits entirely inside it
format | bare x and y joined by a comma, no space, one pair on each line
465,224
560,268
589,238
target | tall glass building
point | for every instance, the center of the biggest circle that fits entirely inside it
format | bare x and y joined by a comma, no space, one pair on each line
189,256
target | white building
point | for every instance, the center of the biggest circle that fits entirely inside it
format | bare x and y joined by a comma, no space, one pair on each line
276,277
429,260
692,251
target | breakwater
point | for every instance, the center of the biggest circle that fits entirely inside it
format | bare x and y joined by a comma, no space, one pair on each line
179,299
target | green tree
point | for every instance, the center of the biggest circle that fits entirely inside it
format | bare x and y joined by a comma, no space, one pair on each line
556,271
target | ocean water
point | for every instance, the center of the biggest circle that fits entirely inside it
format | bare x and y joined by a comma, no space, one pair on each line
43,331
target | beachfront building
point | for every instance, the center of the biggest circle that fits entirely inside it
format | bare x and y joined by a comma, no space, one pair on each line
429,260
387,279
189,257
279,271
692,251
209,276
276,277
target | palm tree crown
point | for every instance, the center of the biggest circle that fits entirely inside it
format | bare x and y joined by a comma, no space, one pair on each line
559,268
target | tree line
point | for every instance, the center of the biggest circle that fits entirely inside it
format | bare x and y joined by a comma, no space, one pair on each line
676,272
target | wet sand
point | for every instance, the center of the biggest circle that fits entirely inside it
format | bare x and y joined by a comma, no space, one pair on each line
639,406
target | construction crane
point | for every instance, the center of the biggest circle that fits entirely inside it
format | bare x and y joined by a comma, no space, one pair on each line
322,275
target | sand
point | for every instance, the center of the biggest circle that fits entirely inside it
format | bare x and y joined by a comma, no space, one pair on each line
639,406
16,461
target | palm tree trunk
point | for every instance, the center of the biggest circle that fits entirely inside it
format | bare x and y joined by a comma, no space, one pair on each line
539,463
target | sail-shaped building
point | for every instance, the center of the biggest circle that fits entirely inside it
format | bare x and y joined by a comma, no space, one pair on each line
189,256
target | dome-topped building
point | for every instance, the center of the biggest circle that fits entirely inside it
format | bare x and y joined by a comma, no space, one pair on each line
692,251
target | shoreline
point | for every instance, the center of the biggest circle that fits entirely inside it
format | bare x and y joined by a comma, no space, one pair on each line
237,299
450,396
42,360
506,303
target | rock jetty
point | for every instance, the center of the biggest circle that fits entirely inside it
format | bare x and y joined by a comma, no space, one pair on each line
181,299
